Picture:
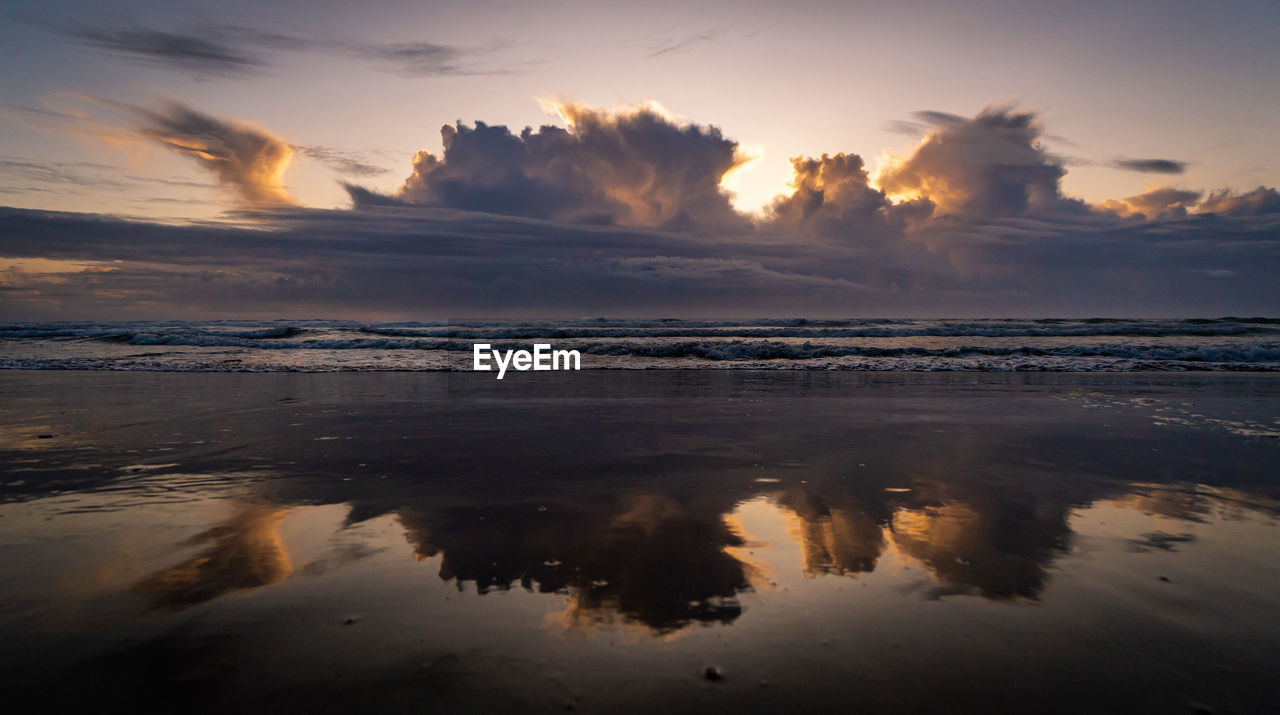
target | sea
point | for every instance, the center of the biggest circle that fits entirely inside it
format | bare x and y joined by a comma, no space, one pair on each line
992,345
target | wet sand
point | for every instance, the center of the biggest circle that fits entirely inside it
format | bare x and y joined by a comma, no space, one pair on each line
596,541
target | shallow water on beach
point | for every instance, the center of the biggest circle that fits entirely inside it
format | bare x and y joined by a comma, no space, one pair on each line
640,541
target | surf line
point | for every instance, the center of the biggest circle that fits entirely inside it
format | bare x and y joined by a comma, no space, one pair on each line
542,358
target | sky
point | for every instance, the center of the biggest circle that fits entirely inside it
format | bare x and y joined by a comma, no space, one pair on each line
324,159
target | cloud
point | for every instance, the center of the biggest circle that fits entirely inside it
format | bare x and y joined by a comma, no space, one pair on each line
1164,202
247,160
939,119
635,167
681,45
66,176
390,257
414,59
990,165
1151,166
832,198
343,162
905,128
1261,201
221,49
170,49
623,213
412,262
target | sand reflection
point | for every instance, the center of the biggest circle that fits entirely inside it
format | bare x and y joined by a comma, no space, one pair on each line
244,552
645,558
839,539
666,562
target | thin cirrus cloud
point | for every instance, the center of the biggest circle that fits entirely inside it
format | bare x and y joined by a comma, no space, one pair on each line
682,44
236,50
22,175
623,213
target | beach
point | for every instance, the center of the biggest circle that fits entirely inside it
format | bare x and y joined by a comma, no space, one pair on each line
640,540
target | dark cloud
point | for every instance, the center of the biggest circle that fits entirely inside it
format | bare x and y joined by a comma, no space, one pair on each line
186,50
1164,202
938,119
363,198
220,49
336,262
987,166
631,168
410,261
1261,201
341,161
414,59
1151,166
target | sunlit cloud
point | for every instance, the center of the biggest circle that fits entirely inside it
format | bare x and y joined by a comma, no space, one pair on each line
631,167
1162,202
248,160
1258,202
990,165
831,197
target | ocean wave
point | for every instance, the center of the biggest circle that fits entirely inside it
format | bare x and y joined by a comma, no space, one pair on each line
943,331
768,350
968,363
791,343
293,334
128,332
736,349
